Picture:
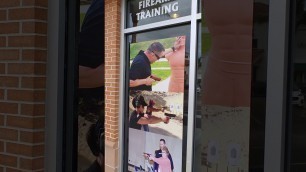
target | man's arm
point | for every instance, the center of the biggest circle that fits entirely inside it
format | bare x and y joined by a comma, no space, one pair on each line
137,82
91,77
152,120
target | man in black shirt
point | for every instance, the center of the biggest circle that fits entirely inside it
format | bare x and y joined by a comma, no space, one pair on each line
140,71
91,47
139,118
91,80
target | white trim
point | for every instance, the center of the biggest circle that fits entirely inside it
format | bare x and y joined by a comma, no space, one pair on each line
192,81
122,89
276,86
199,16
156,25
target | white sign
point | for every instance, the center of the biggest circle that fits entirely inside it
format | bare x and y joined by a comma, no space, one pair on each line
155,8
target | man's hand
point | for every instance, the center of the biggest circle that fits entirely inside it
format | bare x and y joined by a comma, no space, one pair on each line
149,81
147,116
177,43
166,120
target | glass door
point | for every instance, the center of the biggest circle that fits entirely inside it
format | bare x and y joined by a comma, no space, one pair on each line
297,89
229,130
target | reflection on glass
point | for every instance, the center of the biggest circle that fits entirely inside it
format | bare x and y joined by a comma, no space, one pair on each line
232,45
298,90
141,12
199,6
91,87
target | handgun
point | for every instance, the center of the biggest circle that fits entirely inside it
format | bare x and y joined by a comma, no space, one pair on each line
155,78
170,115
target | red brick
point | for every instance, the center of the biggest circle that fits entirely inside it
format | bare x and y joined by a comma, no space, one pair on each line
27,68
9,3
31,164
2,41
27,13
9,54
11,108
25,122
1,120
33,109
27,41
26,150
8,134
1,94
2,68
32,137
8,81
1,146
26,95
2,15
39,3
112,60
34,27
33,82
7,160
6,28
34,55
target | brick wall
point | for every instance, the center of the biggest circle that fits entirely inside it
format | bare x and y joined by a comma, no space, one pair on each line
23,54
112,75
112,67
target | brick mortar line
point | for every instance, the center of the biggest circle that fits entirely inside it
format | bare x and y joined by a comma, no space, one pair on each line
23,143
27,116
22,75
23,48
25,129
23,20
5,94
22,156
23,89
6,40
24,7
19,82
23,102
20,54
25,34
6,68
36,76
23,61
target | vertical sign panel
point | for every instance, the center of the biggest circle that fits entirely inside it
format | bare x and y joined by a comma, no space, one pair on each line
156,81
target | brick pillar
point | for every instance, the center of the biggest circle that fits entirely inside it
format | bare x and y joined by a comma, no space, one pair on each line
112,72
23,53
